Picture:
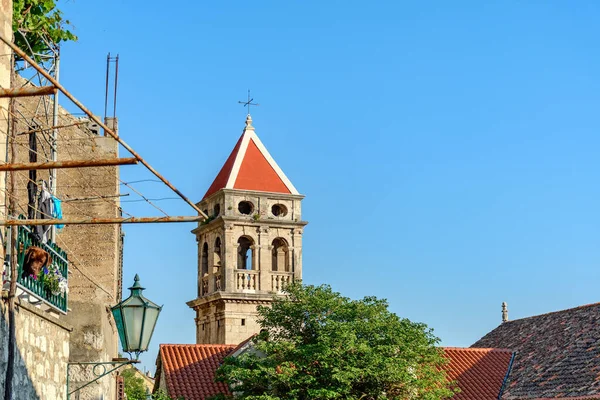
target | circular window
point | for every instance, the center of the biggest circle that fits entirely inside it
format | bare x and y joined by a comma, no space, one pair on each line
245,207
279,210
217,210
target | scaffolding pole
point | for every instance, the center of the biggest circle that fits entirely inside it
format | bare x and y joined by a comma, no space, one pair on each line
100,221
28,91
46,75
68,164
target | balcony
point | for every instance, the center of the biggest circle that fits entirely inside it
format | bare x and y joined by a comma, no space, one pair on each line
34,290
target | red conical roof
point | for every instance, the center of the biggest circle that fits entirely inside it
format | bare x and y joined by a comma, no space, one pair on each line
251,167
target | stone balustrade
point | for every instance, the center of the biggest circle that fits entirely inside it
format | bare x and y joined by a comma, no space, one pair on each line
247,279
280,279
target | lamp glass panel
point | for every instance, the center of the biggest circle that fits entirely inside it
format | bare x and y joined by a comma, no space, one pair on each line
148,329
133,316
120,328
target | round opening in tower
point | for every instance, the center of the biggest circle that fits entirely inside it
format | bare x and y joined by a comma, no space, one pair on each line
279,210
245,207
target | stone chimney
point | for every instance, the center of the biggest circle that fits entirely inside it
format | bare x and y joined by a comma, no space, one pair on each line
112,123
504,312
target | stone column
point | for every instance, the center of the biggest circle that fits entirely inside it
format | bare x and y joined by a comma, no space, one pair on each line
229,258
297,253
265,265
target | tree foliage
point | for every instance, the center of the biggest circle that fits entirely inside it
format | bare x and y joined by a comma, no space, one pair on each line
160,395
134,385
39,26
317,344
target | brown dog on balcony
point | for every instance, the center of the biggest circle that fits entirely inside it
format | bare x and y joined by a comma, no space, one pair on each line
36,258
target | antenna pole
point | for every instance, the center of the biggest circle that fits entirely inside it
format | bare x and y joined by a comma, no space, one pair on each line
116,81
106,93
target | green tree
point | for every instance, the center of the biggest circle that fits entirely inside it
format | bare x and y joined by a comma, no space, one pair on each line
39,27
317,344
160,395
134,385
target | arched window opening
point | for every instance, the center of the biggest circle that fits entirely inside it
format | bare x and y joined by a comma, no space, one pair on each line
279,253
216,210
245,253
205,259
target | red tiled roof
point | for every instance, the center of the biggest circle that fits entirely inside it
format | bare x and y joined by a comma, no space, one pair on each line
257,174
251,167
223,176
479,373
189,369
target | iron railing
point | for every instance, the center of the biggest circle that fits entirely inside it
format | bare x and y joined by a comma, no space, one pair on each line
36,287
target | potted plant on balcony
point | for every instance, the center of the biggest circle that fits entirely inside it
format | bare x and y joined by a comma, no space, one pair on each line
53,281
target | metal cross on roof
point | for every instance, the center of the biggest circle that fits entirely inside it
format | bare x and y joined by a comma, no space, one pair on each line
249,102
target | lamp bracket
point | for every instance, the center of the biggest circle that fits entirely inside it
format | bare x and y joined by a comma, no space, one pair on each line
99,369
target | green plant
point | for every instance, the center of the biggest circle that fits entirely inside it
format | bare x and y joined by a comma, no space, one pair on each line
53,281
317,344
161,395
256,217
134,385
39,27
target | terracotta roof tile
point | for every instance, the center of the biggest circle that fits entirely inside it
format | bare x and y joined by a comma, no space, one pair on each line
556,354
257,174
223,176
251,167
189,369
479,373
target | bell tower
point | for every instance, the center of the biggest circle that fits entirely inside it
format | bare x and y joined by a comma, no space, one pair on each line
251,245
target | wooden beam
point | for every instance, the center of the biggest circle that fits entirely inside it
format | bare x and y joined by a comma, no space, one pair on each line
68,164
99,221
27,91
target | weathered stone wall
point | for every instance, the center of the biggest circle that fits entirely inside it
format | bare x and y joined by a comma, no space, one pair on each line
42,354
93,250
228,318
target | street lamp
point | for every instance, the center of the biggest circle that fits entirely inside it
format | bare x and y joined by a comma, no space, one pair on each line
135,318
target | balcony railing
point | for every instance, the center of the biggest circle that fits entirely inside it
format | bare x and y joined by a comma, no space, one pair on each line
35,287
247,280
279,280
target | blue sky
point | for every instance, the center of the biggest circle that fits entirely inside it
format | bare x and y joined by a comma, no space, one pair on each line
447,150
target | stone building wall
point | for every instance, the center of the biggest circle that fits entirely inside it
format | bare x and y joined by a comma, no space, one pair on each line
93,250
45,343
42,354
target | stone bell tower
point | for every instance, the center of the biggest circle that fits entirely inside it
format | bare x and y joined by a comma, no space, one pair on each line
251,245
